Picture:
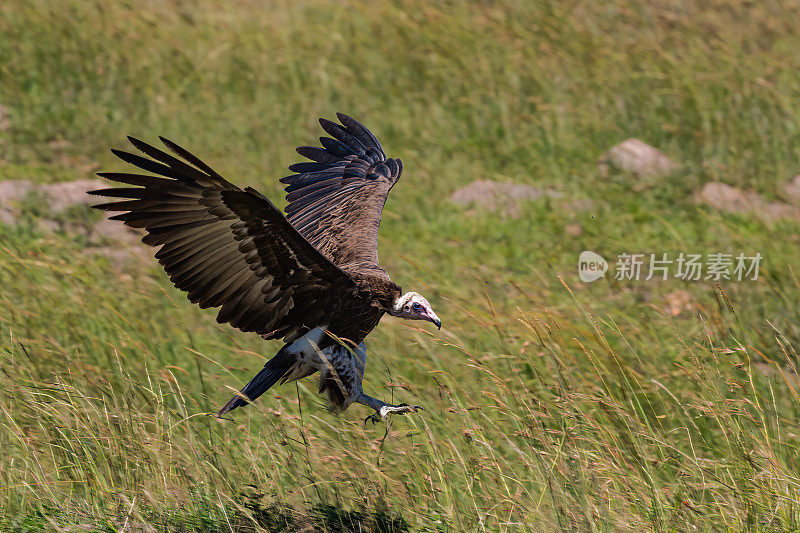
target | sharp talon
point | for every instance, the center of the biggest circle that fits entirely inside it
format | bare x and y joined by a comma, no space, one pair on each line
387,409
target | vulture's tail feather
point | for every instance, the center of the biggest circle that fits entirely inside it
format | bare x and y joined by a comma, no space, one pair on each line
275,369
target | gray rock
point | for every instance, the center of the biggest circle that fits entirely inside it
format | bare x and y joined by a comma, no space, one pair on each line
494,195
490,194
581,204
60,196
115,231
678,302
734,200
637,157
122,257
48,225
12,192
7,217
792,189
5,121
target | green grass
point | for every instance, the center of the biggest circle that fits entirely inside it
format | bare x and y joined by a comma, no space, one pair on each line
550,404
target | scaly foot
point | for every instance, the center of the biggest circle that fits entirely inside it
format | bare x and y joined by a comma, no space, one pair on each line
385,410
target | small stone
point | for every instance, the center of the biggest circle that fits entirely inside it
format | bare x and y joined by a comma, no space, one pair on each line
792,189
59,144
5,121
678,302
581,204
734,200
637,157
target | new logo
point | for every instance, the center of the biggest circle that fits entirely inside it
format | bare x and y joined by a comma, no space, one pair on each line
591,266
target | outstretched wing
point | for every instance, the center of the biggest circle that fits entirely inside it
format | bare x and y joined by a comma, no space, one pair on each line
335,202
226,247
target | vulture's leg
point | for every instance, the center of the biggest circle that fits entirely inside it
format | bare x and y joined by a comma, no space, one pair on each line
382,409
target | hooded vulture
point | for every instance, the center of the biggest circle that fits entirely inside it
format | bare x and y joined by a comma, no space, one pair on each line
310,276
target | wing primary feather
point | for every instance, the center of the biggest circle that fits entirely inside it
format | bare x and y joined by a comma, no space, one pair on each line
308,176
336,147
167,159
361,133
153,166
314,182
317,154
191,158
308,166
134,179
335,130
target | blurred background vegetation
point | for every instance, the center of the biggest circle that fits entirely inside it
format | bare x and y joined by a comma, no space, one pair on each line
550,404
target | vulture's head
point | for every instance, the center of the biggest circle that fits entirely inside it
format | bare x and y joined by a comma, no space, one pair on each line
413,306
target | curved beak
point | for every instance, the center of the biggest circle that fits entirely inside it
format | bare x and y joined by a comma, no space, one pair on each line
436,321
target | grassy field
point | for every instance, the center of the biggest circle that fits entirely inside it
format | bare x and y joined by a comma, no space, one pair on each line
551,404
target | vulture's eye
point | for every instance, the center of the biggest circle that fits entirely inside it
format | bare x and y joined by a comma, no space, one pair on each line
416,307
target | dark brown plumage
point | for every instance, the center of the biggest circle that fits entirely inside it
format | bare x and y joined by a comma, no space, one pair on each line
315,269
336,201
